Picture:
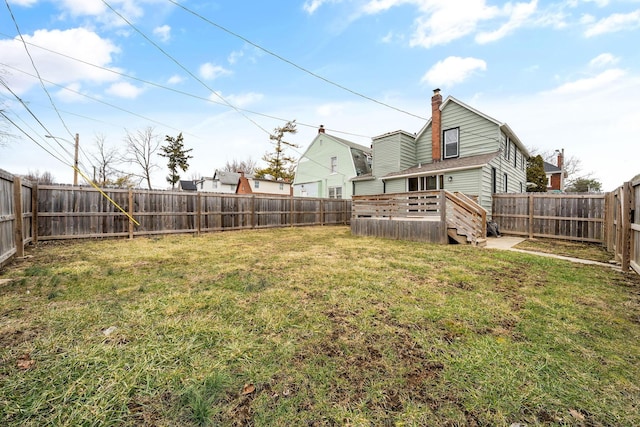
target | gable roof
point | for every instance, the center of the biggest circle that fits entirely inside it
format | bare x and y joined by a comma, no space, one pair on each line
188,185
551,168
228,178
448,165
503,126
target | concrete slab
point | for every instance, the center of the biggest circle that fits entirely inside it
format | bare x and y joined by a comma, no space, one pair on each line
504,242
508,242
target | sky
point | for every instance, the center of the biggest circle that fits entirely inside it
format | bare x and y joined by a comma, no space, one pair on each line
562,74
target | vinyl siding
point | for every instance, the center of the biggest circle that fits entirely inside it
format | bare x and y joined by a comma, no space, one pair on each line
423,147
467,181
477,134
365,188
515,176
398,185
315,166
393,153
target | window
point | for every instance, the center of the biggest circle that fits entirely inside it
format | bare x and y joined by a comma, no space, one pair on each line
549,181
507,148
256,184
451,143
335,192
215,184
334,165
425,183
506,184
522,162
521,187
515,156
281,186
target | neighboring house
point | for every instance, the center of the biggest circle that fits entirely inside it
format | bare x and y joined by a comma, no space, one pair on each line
187,186
221,182
251,185
327,166
459,149
555,174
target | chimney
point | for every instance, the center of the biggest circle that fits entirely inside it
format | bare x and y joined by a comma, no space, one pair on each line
561,159
436,126
321,129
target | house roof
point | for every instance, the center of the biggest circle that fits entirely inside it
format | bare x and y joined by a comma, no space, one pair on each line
188,185
411,135
449,165
551,168
227,178
503,126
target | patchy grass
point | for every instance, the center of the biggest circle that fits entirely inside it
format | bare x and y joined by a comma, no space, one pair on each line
311,326
590,251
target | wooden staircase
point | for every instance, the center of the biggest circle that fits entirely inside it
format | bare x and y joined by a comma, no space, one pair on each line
466,220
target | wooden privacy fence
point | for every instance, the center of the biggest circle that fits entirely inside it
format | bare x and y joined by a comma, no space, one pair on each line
16,216
623,225
50,212
559,216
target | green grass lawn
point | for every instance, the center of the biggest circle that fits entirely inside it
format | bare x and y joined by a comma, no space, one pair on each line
312,326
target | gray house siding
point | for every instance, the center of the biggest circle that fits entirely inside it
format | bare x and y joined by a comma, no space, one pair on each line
423,146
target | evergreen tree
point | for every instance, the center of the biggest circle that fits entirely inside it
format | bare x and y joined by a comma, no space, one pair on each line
536,177
279,165
584,185
178,157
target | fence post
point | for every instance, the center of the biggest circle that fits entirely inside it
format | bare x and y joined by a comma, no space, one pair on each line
34,212
530,215
17,211
198,213
291,210
626,226
253,211
130,213
321,211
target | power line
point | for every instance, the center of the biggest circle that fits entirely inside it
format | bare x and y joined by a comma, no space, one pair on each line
293,64
160,86
184,68
36,68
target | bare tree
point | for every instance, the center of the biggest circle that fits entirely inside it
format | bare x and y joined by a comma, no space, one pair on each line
105,159
247,166
141,147
572,165
45,177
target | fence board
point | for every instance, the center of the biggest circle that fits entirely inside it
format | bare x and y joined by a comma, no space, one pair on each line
561,216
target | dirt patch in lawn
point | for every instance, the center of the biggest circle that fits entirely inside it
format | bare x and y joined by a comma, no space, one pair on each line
588,251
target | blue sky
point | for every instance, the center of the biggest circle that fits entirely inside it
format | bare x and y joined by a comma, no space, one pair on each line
562,74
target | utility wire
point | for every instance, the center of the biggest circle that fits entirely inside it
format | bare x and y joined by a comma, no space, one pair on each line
293,64
36,68
185,68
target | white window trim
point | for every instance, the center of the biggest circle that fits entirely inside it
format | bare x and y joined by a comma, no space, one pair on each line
333,165
457,143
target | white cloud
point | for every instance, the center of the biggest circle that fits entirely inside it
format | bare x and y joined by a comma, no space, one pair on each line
210,71
599,3
24,3
613,23
84,7
310,6
71,93
163,32
77,43
238,101
603,60
519,14
452,70
589,84
175,79
124,90
234,56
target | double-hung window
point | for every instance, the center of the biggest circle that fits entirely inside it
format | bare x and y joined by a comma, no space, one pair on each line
334,165
451,143
335,192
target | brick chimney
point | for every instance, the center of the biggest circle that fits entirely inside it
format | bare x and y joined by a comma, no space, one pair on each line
436,126
561,159
321,129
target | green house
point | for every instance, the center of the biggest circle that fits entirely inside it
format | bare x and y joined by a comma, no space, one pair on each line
459,149
326,168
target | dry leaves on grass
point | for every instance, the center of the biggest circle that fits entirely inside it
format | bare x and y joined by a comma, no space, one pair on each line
25,362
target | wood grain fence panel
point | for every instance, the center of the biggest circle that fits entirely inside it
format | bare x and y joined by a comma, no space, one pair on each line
561,216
